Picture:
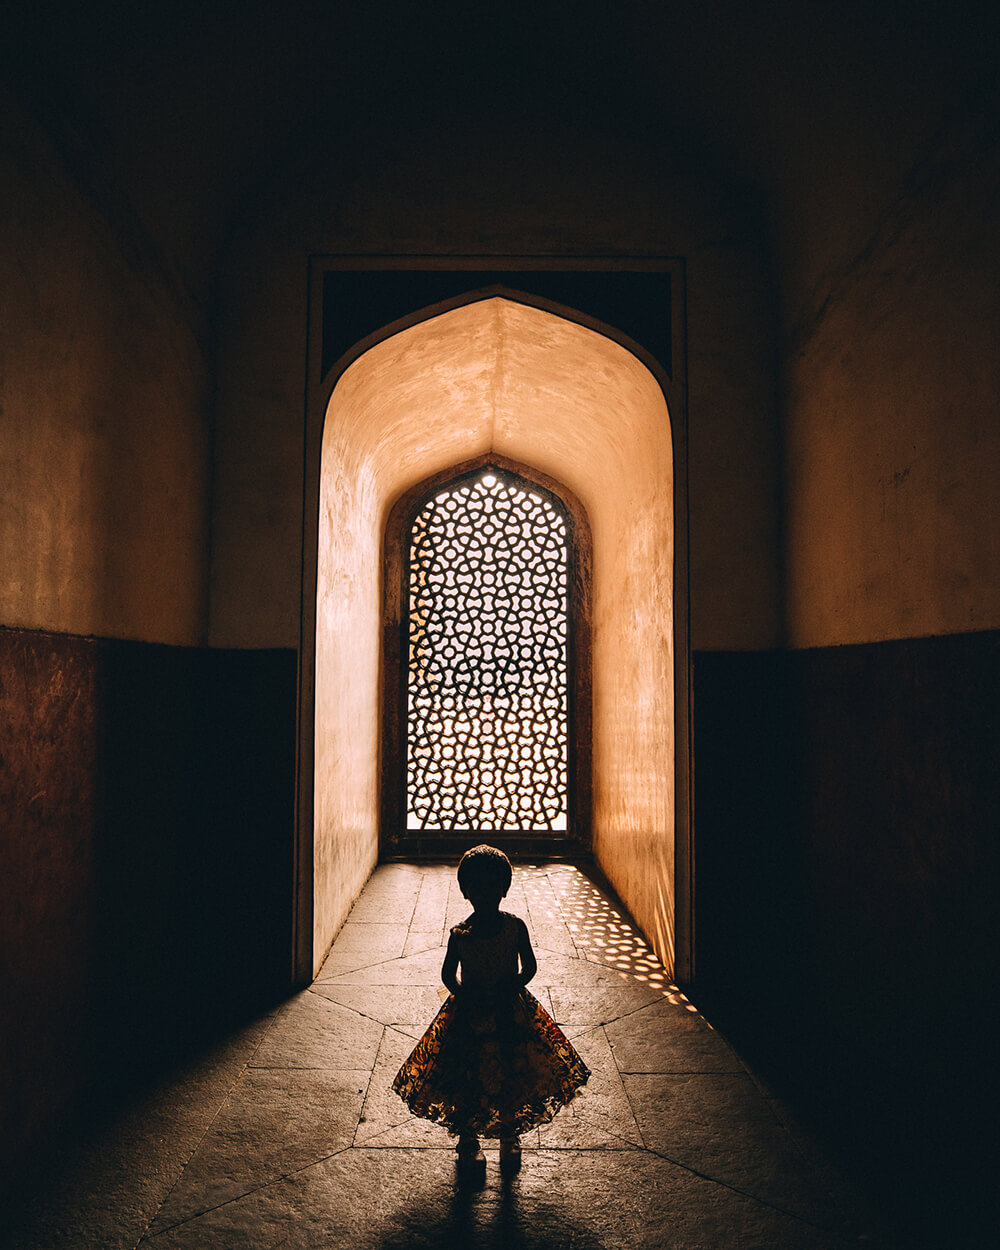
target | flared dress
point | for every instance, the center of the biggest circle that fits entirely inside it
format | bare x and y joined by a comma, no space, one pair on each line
493,1061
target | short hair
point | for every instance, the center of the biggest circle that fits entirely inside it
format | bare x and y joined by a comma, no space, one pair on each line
485,865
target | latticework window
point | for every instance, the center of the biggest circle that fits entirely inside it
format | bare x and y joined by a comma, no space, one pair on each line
487,698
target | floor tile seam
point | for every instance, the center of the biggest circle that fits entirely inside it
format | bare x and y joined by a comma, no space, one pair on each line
805,1145
608,1132
678,1072
623,1071
744,1076
556,916
598,1028
424,949
549,951
208,1127
256,1189
585,1031
628,1097
549,928
364,1099
412,927
391,1128
603,963
350,972
765,1091
408,890
365,1016
291,1067
396,1025
624,1016
583,1096
536,900
842,1238
355,920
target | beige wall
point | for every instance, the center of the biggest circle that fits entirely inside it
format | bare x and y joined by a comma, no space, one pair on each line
104,449
503,377
892,429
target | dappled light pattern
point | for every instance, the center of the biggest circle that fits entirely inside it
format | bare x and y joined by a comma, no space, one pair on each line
600,933
488,687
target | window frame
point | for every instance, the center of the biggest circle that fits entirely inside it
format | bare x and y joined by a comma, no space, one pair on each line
398,841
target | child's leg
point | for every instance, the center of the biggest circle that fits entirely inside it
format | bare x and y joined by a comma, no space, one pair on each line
471,1160
510,1150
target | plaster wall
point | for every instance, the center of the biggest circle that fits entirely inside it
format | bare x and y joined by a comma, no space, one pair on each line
104,446
511,379
145,851
892,440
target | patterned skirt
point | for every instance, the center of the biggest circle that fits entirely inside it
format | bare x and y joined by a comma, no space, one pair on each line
491,1067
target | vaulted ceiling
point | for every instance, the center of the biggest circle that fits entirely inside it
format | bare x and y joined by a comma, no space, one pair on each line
188,109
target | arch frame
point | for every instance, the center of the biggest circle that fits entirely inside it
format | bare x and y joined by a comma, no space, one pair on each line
394,563
320,383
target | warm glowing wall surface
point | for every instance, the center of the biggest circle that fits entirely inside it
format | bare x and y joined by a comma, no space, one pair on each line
504,377
104,446
892,441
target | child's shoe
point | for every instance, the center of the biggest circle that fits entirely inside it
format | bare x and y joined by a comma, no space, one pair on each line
471,1161
510,1155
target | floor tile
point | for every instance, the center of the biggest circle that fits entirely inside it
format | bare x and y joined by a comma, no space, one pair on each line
106,1194
666,1037
600,1004
361,945
601,1109
274,1122
431,907
562,970
723,1128
423,968
370,1199
313,1032
404,1007
555,939
418,940
385,905
385,1118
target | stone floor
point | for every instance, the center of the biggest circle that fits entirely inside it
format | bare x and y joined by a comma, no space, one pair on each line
289,1135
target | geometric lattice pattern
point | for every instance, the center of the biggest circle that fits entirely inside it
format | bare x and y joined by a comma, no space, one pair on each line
487,738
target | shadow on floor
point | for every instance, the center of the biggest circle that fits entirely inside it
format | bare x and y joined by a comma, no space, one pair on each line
490,1220
288,1136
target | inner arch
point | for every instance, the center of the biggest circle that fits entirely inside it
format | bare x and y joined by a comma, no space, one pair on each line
487,659
495,376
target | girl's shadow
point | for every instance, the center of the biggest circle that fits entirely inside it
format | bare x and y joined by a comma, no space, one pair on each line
494,1218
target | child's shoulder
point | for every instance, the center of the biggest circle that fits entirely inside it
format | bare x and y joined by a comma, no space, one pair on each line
509,923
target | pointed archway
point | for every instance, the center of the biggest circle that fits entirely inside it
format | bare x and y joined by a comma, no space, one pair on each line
505,651
498,375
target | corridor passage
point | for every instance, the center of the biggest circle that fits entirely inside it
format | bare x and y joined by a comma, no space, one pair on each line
291,1137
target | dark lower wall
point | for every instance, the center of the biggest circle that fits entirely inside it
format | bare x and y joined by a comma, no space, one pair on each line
145,861
847,816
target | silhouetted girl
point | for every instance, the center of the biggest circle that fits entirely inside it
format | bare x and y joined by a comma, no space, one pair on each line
493,1062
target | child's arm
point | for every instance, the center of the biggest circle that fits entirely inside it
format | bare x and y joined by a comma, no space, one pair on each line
527,956
449,969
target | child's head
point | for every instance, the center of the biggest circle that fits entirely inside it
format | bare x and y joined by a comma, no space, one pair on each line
484,873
